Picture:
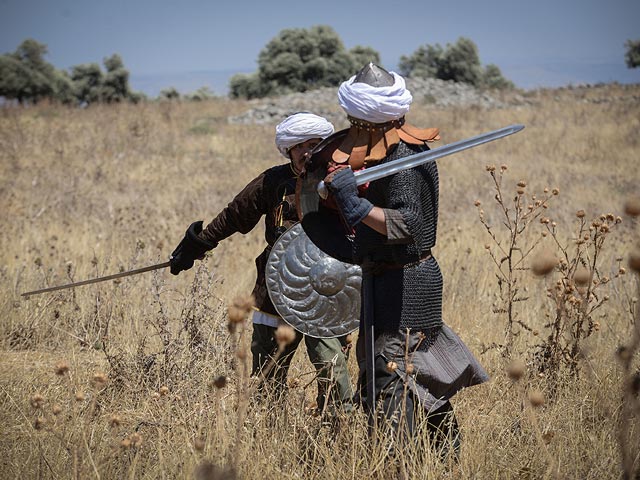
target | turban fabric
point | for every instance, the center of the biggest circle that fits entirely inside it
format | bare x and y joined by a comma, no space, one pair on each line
299,128
375,104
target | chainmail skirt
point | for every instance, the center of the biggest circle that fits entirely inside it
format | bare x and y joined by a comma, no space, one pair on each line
442,364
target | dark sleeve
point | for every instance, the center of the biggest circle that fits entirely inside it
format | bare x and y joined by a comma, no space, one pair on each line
241,215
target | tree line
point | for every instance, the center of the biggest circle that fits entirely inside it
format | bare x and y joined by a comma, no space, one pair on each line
26,76
299,59
296,60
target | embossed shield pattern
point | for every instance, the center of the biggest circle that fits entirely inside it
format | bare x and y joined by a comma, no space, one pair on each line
313,292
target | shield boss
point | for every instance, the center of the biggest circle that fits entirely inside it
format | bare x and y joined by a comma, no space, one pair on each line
313,292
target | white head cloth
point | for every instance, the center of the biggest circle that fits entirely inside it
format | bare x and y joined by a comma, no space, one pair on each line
375,104
299,128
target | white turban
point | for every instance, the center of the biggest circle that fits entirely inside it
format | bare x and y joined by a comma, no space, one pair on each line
375,104
299,128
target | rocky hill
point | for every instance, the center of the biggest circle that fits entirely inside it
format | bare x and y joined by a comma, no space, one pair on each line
438,93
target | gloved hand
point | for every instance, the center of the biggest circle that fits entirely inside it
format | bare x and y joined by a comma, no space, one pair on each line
342,184
191,247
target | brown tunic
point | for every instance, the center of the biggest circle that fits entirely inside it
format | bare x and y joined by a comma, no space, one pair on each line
269,193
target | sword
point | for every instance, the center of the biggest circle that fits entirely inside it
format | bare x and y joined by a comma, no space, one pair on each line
100,279
405,163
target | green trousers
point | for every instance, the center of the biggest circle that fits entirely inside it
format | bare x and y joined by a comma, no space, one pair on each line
328,356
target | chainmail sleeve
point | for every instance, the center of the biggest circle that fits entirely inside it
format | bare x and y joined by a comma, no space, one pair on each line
410,201
407,286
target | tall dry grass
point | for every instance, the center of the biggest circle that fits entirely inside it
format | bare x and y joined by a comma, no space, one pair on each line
141,378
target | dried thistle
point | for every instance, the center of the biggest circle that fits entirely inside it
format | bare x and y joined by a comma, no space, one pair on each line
61,368
511,249
634,260
632,206
544,263
136,439
99,380
244,303
114,421
516,370
220,381
236,314
536,398
39,423
199,444
285,335
582,276
37,401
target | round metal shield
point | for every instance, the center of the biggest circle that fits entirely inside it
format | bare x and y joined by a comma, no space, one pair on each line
313,292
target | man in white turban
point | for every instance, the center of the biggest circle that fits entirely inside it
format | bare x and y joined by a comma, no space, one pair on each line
272,195
416,363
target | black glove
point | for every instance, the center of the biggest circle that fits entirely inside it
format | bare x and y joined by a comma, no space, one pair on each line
191,247
342,184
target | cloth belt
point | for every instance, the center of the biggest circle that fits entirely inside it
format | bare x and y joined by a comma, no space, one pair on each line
378,268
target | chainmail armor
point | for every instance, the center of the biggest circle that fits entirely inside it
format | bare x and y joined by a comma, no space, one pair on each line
409,296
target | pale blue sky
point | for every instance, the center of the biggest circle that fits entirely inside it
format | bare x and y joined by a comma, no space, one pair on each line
535,43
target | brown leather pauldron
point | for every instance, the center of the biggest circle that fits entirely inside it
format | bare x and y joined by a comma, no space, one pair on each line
367,143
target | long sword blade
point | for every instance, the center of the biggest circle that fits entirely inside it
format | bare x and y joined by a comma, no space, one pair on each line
405,163
100,279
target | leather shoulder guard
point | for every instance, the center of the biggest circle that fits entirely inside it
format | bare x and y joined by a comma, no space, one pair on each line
366,143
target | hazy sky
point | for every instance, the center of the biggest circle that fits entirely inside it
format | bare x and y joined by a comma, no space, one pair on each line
535,43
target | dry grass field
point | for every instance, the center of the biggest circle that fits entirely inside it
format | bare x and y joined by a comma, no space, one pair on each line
123,379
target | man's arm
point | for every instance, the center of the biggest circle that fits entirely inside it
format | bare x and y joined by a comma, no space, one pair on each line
241,215
376,219
394,222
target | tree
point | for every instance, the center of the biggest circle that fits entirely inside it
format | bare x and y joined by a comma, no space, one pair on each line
425,62
115,84
87,82
170,93
91,84
299,59
459,62
203,93
63,87
493,79
632,55
14,79
247,86
363,55
26,75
